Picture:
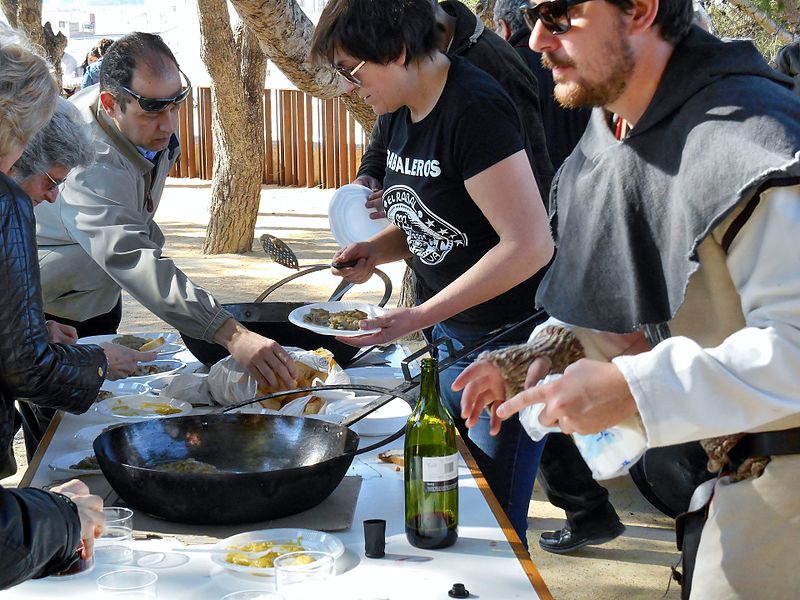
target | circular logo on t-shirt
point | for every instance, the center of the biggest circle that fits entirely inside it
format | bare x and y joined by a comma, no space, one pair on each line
429,237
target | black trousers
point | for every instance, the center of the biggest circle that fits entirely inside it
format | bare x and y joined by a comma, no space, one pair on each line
104,324
36,419
569,485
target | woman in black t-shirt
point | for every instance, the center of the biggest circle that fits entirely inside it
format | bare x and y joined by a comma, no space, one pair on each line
461,197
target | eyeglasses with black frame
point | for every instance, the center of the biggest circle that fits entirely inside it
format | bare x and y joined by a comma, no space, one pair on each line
54,184
350,74
553,14
159,104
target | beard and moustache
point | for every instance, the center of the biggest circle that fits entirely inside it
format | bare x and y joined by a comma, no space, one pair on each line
620,62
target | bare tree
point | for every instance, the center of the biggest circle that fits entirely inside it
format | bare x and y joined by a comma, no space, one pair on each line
237,66
285,35
26,16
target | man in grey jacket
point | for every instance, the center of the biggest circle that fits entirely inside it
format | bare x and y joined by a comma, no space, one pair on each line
100,237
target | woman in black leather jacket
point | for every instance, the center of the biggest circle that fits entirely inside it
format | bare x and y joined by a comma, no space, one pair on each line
39,531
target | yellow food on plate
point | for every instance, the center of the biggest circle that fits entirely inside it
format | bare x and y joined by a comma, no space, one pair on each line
152,344
155,408
272,550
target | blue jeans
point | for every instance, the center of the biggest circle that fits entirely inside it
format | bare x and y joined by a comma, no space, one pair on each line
508,460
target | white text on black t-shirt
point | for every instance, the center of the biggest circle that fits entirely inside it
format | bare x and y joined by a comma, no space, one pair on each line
412,166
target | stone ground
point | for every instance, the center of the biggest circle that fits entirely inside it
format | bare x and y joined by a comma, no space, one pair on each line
635,565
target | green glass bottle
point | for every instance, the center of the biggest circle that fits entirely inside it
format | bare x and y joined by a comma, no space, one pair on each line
431,468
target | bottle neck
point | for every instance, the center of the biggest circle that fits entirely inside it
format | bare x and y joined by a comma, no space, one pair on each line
429,385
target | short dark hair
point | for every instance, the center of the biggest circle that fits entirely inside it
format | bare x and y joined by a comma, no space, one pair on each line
674,17
376,30
104,45
124,55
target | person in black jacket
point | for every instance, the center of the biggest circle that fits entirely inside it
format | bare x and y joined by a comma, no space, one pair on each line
563,127
61,145
563,474
39,531
463,34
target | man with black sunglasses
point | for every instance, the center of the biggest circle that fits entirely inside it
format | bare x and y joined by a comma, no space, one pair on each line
677,277
100,235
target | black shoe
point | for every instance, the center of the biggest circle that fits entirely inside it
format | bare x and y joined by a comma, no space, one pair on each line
565,540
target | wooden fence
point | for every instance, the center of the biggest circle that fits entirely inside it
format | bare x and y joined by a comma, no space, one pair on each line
308,142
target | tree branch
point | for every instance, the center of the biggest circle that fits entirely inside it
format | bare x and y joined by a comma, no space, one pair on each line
764,20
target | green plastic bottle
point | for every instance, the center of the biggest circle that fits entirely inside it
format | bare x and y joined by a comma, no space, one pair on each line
431,468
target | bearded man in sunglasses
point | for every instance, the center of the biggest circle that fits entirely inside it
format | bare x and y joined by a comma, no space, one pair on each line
677,276
100,235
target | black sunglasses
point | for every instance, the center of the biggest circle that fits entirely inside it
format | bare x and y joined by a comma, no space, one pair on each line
159,104
554,15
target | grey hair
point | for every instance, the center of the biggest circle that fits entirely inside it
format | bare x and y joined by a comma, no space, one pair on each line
508,10
28,91
64,141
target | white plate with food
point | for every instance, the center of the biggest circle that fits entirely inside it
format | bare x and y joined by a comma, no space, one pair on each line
147,371
76,463
349,219
335,318
137,408
273,542
166,344
89,434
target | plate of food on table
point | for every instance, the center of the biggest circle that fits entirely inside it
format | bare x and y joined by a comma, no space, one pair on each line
147,371
253,552
143,407
82,462
89,434
336,318
165,344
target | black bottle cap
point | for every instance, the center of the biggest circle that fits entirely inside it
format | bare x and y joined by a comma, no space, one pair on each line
458,591
374,538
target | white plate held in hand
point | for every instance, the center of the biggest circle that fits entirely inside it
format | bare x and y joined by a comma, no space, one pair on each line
349,219
296,317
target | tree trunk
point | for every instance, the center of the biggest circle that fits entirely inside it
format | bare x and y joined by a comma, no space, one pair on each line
26,16
237,67
285,35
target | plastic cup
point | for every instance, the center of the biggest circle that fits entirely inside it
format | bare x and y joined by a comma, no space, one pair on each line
128,583
302,575
114,546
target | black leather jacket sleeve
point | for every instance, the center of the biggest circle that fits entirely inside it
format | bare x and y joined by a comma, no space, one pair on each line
39,533
53,375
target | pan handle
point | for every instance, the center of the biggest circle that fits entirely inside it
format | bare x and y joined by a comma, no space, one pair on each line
385,397
339,292
292,277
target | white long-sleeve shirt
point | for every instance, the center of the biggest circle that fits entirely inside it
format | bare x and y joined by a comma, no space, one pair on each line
751,380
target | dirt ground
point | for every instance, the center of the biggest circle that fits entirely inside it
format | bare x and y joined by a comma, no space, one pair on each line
634,566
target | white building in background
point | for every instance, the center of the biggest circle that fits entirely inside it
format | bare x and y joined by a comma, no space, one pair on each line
85,23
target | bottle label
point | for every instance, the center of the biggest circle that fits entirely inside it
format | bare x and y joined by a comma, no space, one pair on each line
440,473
